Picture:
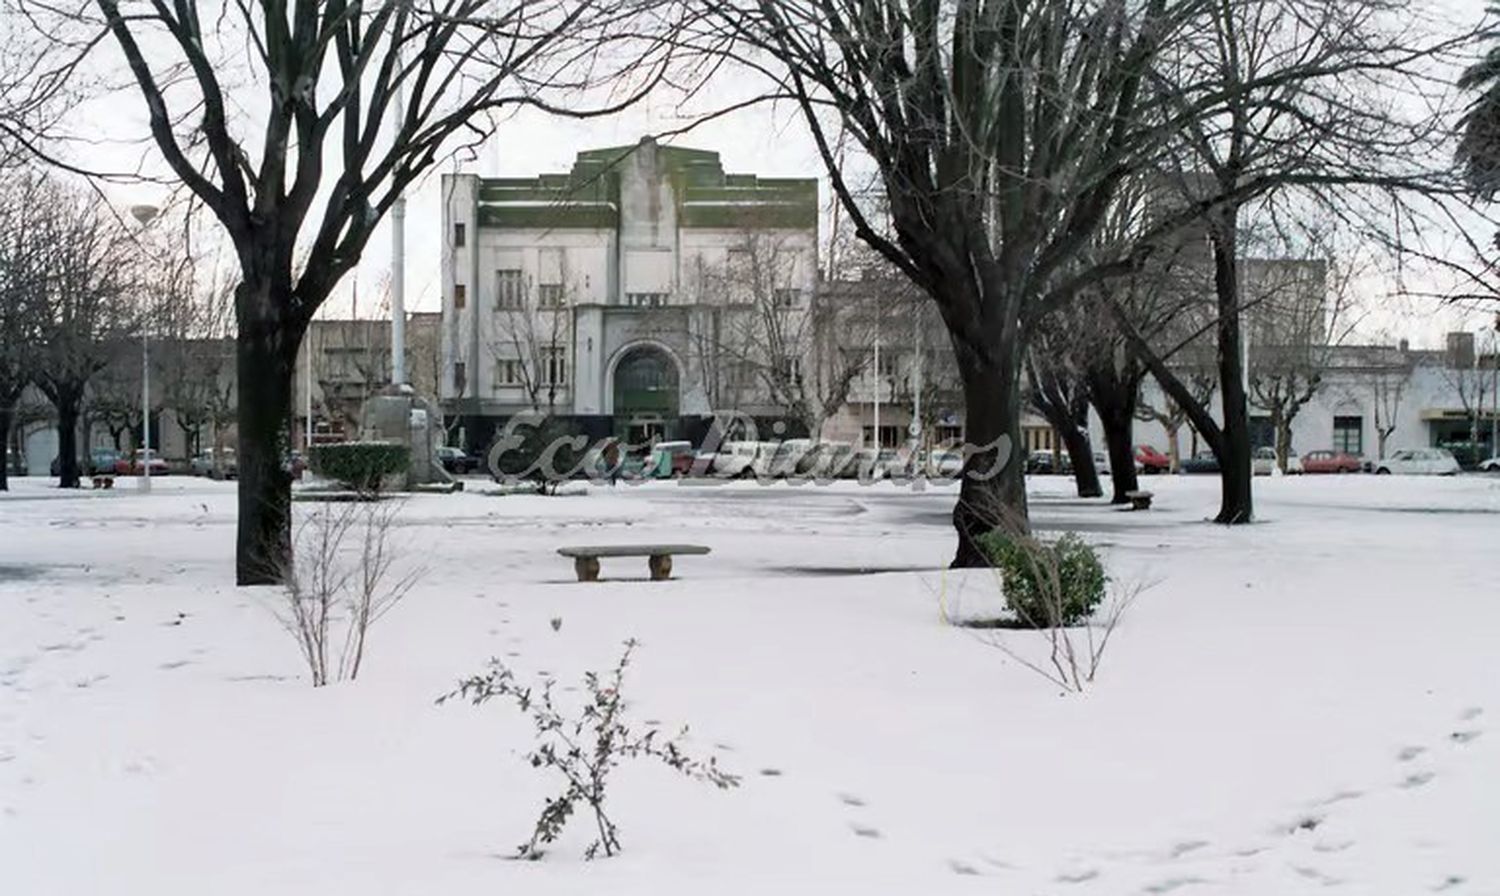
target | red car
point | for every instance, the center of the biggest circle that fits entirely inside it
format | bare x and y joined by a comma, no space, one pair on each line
133,466
1150,460
1330,462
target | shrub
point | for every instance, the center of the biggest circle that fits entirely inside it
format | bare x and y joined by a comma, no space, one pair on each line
360,465
1047,585
584,747
541,450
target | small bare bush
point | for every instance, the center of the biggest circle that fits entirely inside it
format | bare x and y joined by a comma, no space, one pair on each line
341,583
584,748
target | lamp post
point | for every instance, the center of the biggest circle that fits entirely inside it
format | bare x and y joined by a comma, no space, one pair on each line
144,215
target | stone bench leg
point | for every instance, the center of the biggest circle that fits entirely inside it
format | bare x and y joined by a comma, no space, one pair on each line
661,567
587,568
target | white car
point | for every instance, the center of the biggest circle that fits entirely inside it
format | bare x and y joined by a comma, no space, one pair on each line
1263,462
1490,466
740,459
1419,462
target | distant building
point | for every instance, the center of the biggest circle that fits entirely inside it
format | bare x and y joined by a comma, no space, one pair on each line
610,294
351,360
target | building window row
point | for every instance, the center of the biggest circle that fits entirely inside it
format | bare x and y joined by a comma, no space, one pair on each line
553,372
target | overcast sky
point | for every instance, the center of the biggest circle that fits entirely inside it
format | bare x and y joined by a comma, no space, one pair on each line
768,141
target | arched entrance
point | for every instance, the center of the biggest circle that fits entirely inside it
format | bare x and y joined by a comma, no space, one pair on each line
646,394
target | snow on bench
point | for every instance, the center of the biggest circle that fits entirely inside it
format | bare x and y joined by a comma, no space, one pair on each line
586,558
1139,500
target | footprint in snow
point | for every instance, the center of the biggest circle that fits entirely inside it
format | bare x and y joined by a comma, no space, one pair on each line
850,799
1471,714
1416,780
175,664
1174,883
770,773
1463,737
1332,847
1186,847
1314,874
863,831
1077,877
1407,754
964,868
1448,883
1342,796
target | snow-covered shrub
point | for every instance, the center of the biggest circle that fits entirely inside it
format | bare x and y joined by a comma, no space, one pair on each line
341,582
361,466
585,747
1047,585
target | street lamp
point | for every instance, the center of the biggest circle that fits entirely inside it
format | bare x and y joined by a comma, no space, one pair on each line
144,215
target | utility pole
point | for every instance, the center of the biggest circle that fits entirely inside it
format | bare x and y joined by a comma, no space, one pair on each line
144,215
398,252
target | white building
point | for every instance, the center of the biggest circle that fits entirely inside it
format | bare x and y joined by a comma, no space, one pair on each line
597,295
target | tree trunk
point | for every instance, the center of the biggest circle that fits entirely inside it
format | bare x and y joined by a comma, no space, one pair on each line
1115,394
1283,440
993,490
1236,505
1119,433
1051,404
68,402
1174,452
1081,453
266,356
6,418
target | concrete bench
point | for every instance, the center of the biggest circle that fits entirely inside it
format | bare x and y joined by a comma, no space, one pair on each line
586,559
1139,500
104,481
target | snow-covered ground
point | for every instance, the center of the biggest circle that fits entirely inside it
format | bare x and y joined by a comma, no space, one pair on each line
1305,704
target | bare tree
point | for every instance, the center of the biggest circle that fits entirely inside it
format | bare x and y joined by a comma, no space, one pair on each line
1201,383
1058,388
361,100
1279,116
1000,131
1297,324
89,295
772,339
21,308
527,340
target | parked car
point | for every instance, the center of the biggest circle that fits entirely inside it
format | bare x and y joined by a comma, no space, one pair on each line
1490,466
139,461
456,460
1263,462
737,459
944,464
671,459
224,466
1419,462
826,460
102,460
1149,460
1042,463
1331,462
1202,462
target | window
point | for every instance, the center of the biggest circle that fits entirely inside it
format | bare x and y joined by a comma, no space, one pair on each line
458,235
510,290
459,378
646,299
787,298
549,295
508,372
460,296
1262,433
1349,435
555,365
